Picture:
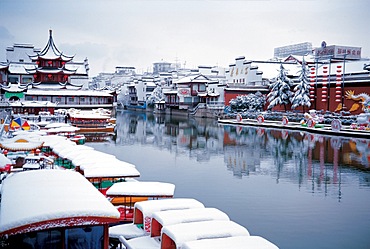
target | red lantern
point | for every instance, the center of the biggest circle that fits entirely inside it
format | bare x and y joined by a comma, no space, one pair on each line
49,76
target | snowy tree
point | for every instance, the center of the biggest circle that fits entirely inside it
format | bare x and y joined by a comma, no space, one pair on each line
280,90
156,96
123,98
302,89
253,102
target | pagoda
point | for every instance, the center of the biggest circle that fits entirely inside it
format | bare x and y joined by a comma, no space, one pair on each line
52,70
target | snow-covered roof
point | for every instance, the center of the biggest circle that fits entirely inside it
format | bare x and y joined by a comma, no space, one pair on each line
193,78
111,171
32,104
162,189
181,233
78,68
252,242
20,68
271,70
21,143
68,93
69,151
55,198
14,88
151,206
128,231
171,217
51,52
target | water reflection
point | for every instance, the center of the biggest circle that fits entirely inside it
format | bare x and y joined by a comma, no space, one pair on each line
315,162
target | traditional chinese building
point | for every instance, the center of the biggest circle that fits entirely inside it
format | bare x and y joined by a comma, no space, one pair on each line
32,74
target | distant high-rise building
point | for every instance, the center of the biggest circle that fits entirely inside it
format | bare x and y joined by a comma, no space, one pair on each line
295,49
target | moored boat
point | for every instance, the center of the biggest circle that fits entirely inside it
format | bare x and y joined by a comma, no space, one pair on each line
124,195
143,212
64,211
91,122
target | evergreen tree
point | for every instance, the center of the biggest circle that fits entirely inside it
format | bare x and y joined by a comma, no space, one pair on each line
302,89
280,90
156,96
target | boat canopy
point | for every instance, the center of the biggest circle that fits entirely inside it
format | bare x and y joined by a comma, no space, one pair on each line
171,217
180,233
45,199
251,242
143,215
146,189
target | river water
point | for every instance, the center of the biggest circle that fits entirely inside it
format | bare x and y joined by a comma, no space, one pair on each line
296,189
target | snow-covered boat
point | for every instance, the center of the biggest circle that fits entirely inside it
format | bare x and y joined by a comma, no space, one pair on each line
124,195
143,212
91,122
174,236
53,209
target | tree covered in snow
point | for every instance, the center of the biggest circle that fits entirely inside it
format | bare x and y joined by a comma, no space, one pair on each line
280,93
156,96
301,95
123,97
251,101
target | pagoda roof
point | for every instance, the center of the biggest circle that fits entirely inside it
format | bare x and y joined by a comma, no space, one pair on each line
52,70
51,52
68,92
13,87
3,65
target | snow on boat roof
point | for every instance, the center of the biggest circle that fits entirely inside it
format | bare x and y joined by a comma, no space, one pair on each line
171,217
91,156
183,232
73,150
31,198
111,171
128,231
21,142
251,242
151,206
141,189
56,125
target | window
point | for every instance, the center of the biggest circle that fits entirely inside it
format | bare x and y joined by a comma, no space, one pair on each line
71,99
81,237
202,87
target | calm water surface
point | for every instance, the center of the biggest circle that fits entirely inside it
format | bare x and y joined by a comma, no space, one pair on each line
296,189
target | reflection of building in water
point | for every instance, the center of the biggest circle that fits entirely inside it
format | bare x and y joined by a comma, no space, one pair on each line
196,138
314,162
242,160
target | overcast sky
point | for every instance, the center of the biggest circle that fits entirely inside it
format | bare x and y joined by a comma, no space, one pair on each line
137,33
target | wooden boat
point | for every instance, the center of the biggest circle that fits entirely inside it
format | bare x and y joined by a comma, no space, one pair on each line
91,122
143,212
124,195
64,211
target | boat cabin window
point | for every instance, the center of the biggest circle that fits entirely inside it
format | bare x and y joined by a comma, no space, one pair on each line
90,237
